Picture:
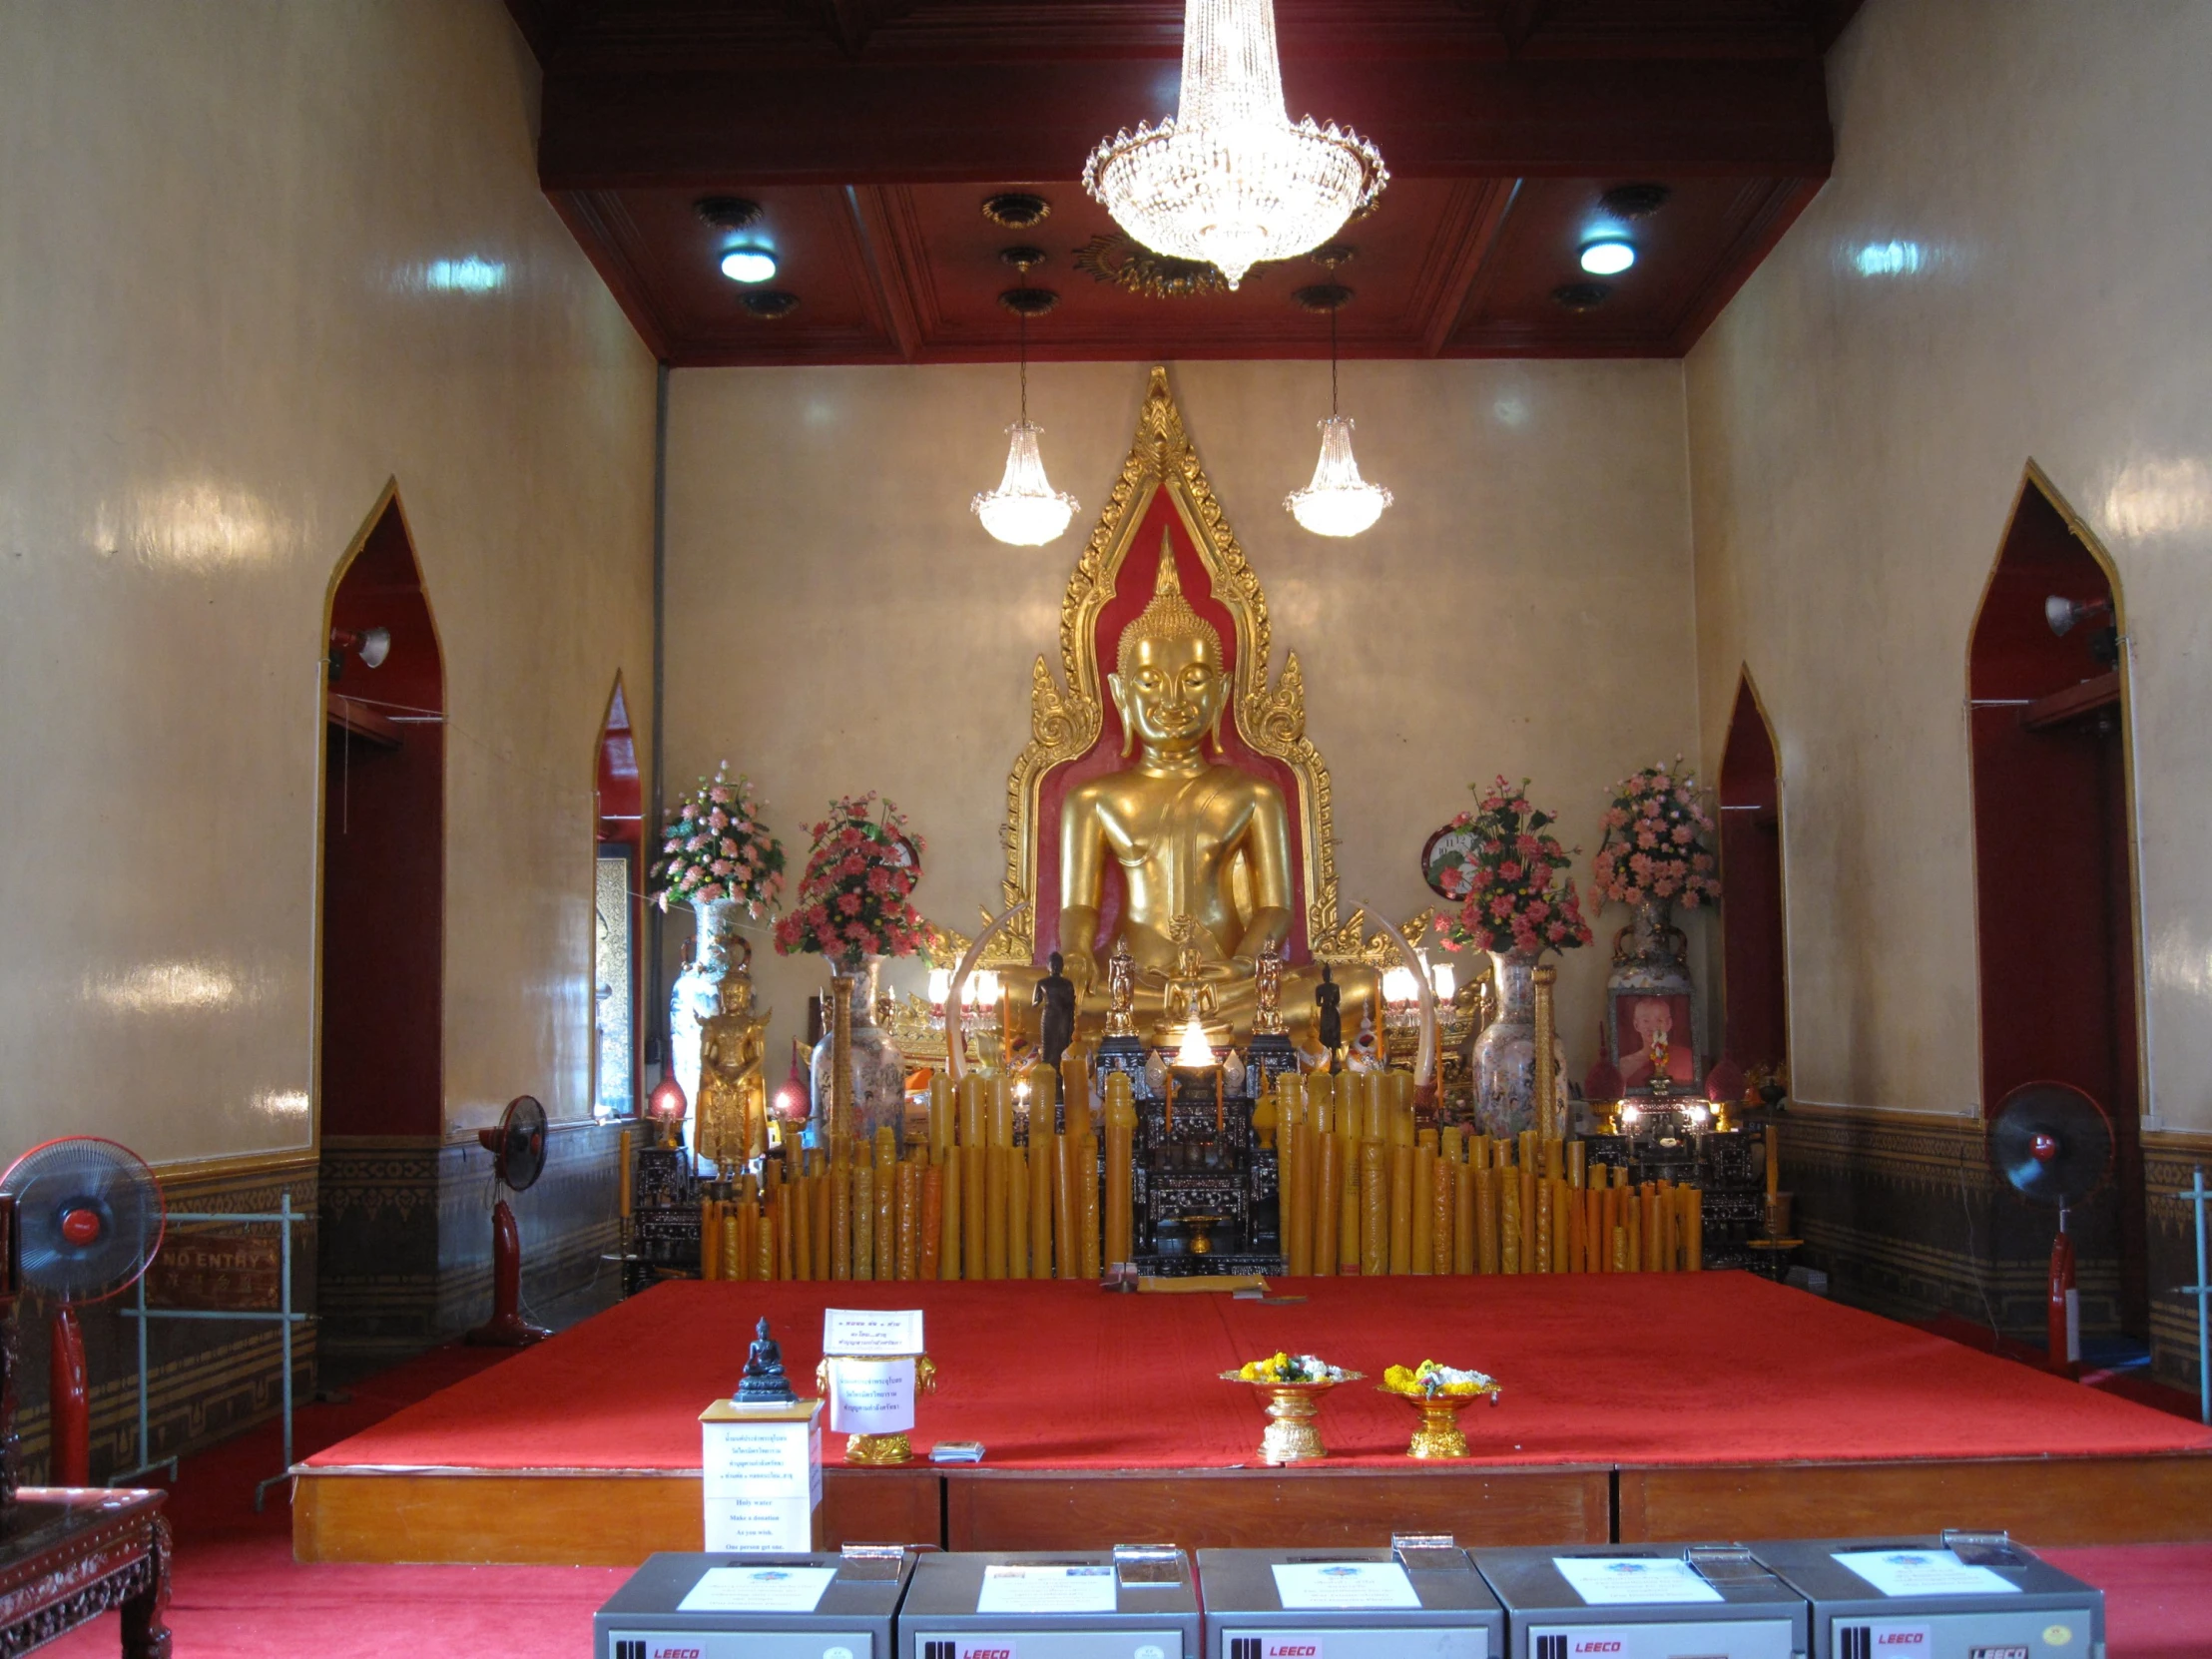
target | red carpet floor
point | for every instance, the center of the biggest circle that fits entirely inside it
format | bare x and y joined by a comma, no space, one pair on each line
1664,1369
239,1595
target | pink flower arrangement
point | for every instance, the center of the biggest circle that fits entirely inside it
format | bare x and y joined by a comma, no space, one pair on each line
1519,897
1655,844
852,899
715,844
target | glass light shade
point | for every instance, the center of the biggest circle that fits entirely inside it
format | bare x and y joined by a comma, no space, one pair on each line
749,264
1399,985
940,986
1195,1052
1608,255
981,989
1338,502
1026,509
1229,178
1443,980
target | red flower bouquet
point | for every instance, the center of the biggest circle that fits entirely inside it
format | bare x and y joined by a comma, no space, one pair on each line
852,900
1514,876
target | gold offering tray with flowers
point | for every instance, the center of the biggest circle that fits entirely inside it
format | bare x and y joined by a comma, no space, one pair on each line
1439,1394
1292,1385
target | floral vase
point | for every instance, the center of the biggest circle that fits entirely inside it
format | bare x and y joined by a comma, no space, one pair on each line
878,1072
1648,962
1506,1053
719,951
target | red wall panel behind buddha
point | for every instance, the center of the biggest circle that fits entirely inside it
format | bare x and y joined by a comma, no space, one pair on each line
383,869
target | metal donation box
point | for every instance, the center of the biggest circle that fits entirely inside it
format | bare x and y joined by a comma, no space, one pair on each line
757,1606
1421,1599
1130,1603
1644,1601
1963,1595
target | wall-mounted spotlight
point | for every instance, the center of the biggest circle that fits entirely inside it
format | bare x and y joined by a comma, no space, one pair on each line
371,645
1608,255
2064,614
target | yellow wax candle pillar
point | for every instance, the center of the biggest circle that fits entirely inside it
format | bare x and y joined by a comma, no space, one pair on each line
1404,1166
1575,1164
1544,1219
950,1245
930,1249
971,1110
1085,1154
1465,1218
995,1160
940,1116
840,1218
1774,1160
1075,1089
1526,1175
1003,1111
1433,1201
1401,1107
1303,1155
886,1204
1374,1093
1018,1209
1510,1232
622,1154
1324,1211
1065,1215
1351,1211
1121,1130
1375,1208
974,1208
863,1221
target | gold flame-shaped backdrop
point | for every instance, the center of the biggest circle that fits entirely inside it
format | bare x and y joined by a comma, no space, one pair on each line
1162,507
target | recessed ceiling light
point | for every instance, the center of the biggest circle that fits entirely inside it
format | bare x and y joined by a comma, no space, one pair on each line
1608,255
749,264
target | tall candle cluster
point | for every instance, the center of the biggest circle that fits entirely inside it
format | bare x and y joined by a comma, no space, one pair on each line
1366,1192
965,1202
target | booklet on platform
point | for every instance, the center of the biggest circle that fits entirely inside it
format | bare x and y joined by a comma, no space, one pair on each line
1039,1588
757,1590
1309,1586
1924,1572
871,1331
1618,1581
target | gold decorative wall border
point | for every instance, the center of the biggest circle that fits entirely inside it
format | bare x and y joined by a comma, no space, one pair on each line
1067,715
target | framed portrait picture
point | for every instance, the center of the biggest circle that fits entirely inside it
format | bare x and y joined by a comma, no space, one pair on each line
1638,1017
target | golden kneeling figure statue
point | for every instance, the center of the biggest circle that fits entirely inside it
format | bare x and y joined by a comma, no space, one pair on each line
1195,837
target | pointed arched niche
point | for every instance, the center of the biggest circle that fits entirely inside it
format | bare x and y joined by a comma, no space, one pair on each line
1754,966
383,843
2054,870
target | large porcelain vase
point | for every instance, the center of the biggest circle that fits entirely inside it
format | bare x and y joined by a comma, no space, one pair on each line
1506,1053
878,1073
716,952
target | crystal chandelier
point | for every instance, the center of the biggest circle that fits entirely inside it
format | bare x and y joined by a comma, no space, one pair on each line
1338,502
1026,509
1228,179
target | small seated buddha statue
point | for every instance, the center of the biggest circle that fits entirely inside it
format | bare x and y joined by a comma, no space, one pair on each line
1195,836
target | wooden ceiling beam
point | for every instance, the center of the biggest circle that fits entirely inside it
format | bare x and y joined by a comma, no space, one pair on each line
905,123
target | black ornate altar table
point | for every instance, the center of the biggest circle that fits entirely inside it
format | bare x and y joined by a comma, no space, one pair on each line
69,1554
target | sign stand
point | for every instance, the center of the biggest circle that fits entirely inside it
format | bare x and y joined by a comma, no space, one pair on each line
761,1468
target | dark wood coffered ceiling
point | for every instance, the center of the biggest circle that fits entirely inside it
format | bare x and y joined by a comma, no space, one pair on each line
870,131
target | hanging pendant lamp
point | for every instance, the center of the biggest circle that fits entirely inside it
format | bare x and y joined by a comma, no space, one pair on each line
1229,178
1025,510
1338,502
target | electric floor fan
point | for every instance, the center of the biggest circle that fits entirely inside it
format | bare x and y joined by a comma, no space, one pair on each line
90,1217
517,1149
2054,1145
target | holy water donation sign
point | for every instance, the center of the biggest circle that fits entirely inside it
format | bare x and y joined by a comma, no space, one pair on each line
761,1476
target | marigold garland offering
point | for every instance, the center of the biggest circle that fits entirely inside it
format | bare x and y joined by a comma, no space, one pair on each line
1290,1367
852,900
1655,846
1430,1379
1519,897
716,844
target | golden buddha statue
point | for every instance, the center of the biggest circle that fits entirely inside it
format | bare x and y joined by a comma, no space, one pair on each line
1195,837
733,1087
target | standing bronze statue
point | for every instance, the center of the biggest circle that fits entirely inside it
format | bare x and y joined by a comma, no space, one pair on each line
1328,1020
1055,996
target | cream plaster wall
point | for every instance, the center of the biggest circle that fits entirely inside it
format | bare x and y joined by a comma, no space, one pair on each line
2009,263
837,620
221,333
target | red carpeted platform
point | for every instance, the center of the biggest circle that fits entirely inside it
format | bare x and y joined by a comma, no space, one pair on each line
1647,1406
